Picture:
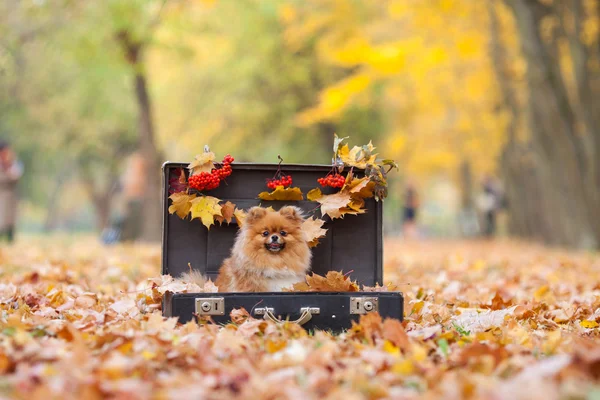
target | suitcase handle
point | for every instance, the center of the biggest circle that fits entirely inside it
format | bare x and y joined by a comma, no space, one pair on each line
307,313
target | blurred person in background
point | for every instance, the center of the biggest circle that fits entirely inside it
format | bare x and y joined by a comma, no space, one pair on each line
490,203
411,206
11,171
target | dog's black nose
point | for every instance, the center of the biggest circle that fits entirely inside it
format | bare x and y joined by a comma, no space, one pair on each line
275,238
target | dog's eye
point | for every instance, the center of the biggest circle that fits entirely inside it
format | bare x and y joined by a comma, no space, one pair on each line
266,233
283,233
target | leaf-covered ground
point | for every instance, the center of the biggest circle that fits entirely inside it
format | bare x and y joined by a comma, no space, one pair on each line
483,320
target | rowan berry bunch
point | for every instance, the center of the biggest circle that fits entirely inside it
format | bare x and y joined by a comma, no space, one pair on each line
284,181
335,181
279,179
211,180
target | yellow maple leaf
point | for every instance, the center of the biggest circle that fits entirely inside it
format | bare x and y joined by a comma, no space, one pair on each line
206,208
282,194
314,194
312,228
356,157
202,163
273,346
355,184
227,212
404,367
181,204
389,347
541,292
357,204
588,324
240,216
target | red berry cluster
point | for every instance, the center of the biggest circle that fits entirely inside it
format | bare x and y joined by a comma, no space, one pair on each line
211,180
335,181
284,180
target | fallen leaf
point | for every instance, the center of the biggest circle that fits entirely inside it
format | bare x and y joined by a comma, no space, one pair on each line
334,281
588,324
541,292
479,320
312,228
181,204
86,300
282,194
123,306
472,352
227,212
206,208
395,333
202,163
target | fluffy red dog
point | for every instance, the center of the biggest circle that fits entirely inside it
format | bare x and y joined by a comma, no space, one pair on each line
270,253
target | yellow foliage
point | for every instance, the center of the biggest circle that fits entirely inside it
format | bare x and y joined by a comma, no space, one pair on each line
434,62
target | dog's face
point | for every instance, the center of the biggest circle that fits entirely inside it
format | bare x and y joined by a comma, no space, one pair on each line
274,232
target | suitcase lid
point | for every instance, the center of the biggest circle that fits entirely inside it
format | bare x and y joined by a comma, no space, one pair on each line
353,243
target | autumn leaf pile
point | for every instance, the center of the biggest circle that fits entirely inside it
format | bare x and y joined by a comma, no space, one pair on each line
483,320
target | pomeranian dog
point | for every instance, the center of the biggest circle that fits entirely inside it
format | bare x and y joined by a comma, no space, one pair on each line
270,253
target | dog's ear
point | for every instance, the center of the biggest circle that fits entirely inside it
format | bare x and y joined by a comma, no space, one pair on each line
292,213
254,214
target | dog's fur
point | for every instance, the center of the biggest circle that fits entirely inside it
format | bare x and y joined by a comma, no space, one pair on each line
270,253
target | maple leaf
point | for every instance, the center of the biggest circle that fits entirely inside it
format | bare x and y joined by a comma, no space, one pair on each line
282,194
395,333
334,281
202,163
206,208
178,184
356,184
332,204
312,228
181,204
240,216
314,194
357,204
357,157
227,211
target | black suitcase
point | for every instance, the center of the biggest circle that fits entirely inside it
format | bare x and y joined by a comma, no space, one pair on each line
353,243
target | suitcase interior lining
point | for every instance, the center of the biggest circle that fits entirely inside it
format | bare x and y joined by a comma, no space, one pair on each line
351,243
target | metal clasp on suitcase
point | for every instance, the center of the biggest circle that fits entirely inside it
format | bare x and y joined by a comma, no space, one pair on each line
210,306
306,314
363,305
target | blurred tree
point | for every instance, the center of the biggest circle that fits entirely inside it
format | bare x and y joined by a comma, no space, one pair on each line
68,112
249,88
562,60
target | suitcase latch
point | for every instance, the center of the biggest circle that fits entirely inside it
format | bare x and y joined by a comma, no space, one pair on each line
363,305
210,306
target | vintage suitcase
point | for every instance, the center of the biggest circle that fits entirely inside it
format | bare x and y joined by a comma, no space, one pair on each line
352,244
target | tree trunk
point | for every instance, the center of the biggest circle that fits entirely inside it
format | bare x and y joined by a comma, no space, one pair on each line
151,208
552,124
527,217
152,223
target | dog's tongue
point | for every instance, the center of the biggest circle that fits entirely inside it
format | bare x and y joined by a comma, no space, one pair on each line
274,245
